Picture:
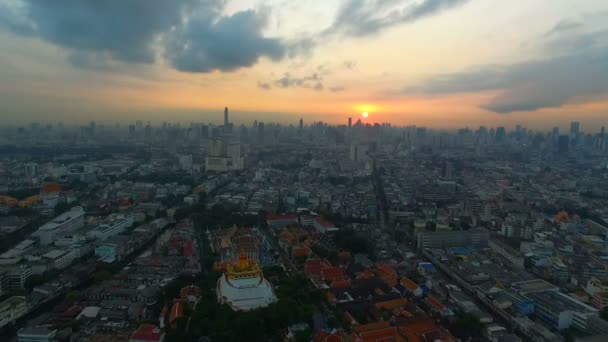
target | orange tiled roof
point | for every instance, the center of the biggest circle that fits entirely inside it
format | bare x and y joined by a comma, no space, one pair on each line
371,327
419,330
324,336
376,332
391,304
408,284
388,274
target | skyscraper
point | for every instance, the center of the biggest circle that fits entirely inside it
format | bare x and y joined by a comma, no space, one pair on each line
601,139
575,127
301,124
350,122
563,144
555,133
224,151
260,132
500,133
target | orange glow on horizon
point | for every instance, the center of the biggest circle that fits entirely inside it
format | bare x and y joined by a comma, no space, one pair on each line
367,108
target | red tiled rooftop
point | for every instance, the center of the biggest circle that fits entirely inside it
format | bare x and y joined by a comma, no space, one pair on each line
340,284
147,332
324,336
312,266
384,268
302,251
391,304
376,332
419,330
434,303
177,311
371,327
271,217
332,273
324,222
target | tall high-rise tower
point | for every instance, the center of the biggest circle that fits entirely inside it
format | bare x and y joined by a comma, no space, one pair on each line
301,124
260,132
226,121
575,127
350,122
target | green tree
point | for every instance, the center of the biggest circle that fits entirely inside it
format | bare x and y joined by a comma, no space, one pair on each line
466,326
102,275
303,335
73,296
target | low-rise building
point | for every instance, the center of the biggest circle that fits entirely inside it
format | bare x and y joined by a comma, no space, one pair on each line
453,238
113,249
18,276
559,311
112,226
147,333
68,221
59,258
280,221
36,334
11,309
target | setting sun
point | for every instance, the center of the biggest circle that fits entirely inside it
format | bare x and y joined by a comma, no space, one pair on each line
364,114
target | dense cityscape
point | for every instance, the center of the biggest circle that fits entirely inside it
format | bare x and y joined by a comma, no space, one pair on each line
314,232
303,171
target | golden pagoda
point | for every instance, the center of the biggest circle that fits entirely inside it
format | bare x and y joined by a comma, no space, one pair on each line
243,286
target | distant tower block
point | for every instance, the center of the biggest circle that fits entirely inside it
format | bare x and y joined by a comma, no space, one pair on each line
226,121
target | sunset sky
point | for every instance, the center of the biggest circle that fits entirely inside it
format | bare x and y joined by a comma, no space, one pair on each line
438,63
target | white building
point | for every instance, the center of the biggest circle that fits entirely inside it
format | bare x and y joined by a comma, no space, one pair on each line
116,224
11,309
36,334
185,162
22,248
59,259
324,226
18,276
68,221
359,152
244,288
224,156
69,238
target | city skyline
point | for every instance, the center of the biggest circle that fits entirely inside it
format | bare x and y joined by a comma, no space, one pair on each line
439,64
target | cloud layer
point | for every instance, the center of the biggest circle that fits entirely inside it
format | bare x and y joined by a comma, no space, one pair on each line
575,69
193,35
313,81
365,17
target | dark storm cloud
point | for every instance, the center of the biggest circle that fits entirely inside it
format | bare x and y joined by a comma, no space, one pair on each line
230,43
365,17
192,35
121,30
313,81
576,68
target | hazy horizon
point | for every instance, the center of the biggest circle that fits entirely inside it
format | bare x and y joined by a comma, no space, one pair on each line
434,63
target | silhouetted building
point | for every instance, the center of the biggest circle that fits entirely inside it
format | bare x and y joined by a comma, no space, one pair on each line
563,143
